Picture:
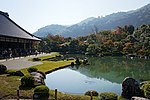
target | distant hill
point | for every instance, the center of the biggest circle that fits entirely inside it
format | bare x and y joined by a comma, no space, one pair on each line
50,29
90,25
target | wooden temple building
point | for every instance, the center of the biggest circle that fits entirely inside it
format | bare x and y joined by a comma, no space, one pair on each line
12,36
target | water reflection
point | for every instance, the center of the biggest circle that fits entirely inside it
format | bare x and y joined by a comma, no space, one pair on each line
103,74
70,81
115,69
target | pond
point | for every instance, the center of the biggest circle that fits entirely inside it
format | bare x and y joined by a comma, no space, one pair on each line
103,75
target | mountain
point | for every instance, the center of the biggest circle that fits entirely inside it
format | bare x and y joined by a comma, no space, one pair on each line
91,25
50,29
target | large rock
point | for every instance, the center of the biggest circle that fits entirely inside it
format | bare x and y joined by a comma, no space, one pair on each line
130,88
3,69
38,78
138,98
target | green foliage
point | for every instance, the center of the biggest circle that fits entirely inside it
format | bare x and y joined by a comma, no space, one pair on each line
74,46
27,81
41,89
106,42
32,69
91,92
42,92
92,49
146,90
108,96
129,29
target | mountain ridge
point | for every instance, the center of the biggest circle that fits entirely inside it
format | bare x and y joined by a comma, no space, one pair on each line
90,25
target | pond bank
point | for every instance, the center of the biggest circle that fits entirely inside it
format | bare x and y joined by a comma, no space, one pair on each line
47,72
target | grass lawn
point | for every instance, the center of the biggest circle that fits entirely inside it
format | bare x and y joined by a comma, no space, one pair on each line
10,84
49,65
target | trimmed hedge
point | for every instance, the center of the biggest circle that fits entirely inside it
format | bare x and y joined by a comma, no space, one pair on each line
27,81
32,69
41,89
41,92
93,92
108,96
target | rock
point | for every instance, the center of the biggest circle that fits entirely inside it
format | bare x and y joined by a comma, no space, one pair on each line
3,69
38,78
71,58
19,73
85,61
130,88
138,98
42,74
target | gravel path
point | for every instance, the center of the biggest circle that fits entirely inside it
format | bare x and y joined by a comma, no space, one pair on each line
20,63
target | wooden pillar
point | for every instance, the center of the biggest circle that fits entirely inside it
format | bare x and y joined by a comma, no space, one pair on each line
55,94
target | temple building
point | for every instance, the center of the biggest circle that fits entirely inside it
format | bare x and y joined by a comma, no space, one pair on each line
12,36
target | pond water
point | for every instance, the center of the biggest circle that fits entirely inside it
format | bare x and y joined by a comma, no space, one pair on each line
103,75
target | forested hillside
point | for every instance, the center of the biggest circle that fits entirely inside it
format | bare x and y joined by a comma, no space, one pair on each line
91,25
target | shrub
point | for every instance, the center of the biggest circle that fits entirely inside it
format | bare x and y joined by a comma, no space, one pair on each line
108,96
36,59
27,81
41,89
41,92
32,69
3,69
146,90
94,93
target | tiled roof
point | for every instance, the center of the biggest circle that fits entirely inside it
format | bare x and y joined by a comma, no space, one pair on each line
11,29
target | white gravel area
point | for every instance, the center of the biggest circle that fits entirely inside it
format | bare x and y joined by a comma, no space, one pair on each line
20,63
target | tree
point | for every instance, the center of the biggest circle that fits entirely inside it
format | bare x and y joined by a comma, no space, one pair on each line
74,46
92,49
129,29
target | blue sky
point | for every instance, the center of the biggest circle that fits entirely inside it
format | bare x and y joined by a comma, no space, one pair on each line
34,14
